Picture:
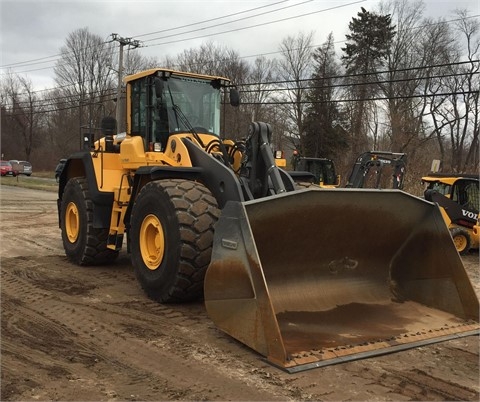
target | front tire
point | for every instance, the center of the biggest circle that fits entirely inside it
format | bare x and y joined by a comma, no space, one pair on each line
171,238
83,244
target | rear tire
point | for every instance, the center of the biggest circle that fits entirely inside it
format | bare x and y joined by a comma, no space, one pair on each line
83,244
171,238
461,239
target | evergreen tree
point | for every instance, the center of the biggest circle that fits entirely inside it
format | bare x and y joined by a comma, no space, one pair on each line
324,135
365,52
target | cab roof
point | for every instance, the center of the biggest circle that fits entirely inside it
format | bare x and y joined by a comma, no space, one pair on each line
448,178
156,71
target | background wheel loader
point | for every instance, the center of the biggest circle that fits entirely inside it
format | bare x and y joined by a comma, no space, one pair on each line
372,169
304,277
459,201
323,170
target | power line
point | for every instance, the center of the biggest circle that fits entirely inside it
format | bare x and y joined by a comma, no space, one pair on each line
259,25
30,62
216,18
354,84
311,80
242,28
343,41
270,53
277,88
243,57
240,19
277,84
400,70
362,100
442,94
221,33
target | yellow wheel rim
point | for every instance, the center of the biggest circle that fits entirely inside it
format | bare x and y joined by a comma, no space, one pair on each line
460,242
72,222
152,242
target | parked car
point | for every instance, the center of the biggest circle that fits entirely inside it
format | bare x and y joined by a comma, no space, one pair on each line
15,166
6,168
59,168
21,167
27,168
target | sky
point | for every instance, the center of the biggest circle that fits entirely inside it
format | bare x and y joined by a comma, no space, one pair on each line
32,32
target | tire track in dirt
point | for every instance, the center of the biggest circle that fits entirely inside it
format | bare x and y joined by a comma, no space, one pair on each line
191,345
124,339
111,332
27,339
215,348
90,336
17,288
29,222
412,383
106,341
417,382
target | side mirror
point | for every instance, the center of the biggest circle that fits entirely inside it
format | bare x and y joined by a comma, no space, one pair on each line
109,126
234,97
109,129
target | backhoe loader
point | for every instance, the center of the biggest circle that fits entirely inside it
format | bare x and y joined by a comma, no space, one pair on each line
458,198
305,277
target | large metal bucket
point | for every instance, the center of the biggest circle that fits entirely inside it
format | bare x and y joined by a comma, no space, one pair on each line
317,277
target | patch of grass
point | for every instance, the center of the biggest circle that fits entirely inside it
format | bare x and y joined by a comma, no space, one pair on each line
45,174
38,181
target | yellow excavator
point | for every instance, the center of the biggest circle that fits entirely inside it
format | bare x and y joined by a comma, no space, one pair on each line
378,169
305,277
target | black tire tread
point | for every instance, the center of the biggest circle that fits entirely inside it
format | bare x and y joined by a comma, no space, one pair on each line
95,251
196,211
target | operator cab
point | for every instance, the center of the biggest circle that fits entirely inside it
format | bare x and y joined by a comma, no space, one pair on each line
166,102
463,189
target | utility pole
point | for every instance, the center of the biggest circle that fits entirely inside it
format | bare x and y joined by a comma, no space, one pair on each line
120,111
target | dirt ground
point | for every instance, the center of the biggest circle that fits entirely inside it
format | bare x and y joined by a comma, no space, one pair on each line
90,334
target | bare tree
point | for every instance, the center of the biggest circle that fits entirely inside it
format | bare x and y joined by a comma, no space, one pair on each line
454,106
84,75
215,60
258,87
135,62
402,82
470,30
212,59
62,124
295,70
431,94
21,130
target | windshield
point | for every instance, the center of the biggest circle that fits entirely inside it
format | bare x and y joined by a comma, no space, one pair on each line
193,99
324,172
442,188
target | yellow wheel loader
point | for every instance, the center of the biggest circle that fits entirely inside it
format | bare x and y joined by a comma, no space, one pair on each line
322,169
305,277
